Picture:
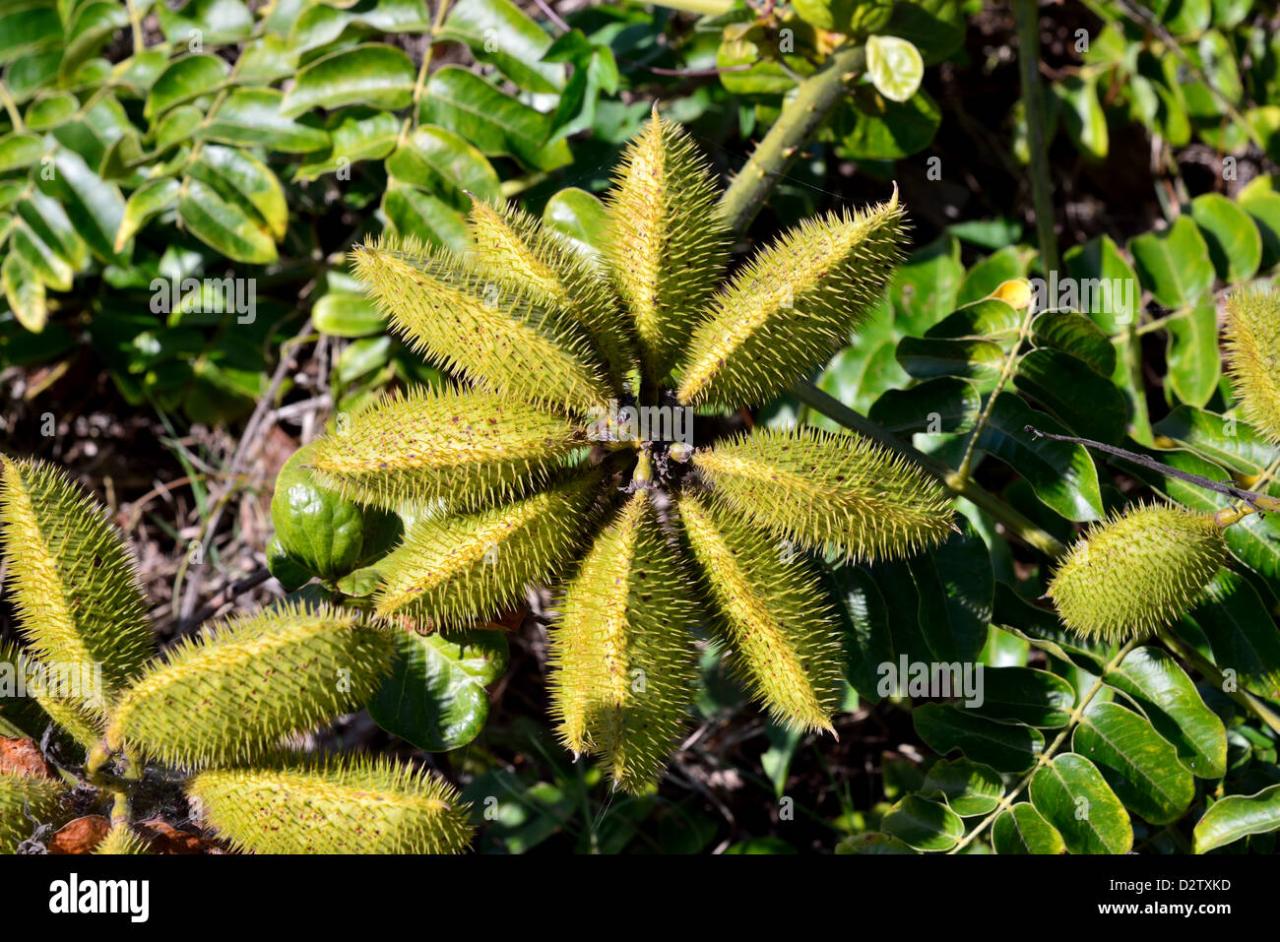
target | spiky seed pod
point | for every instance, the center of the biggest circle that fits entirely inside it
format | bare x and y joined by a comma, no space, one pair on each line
791,307
25,802
1253,353
769,603
232,695
77,595
825,491
512,248
471,449
122,840
1137,572
486,331
668,244
345,806
623,661
451,570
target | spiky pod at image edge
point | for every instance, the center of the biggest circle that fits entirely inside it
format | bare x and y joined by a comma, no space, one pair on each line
785,643
25,800
452,570
349,805
233,694
72,579
122,841
829,492
622,658
1137,572
1253,356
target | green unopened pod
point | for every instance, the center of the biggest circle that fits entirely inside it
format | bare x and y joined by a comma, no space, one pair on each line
232,696
25,801
344,806
1137,572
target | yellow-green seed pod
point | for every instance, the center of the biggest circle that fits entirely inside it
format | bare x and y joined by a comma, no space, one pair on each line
791,307
832,492
1253,354
496,336
667,244
788,649
512,248
623,661
77,596
1137,572
122,841
344,806
452,570
234,694
25,802
470,449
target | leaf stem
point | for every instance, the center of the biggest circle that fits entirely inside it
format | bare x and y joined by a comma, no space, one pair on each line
1012,519
814,99
1006,373
1047,755
1028,18
11,106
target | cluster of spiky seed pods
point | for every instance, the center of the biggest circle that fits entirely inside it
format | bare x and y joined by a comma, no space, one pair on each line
221,706
651,551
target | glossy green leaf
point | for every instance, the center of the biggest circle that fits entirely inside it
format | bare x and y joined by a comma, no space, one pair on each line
372,74
424,216
500,33
1141,766
20,150
1241,633
1022,695
344,314
578,216
1174,264
1115,295
224,226
353,136
1082,115
94,206
1072,796
435,697
239,174
253,117
895,66
1237,816
442,163
1161,688
934,406
876,128
1078,335
989,273
1235,245
1084,401
954,586
185,79
970,788
1263,208
923,824
24,292
1003,746
146,202
216,22
1022,829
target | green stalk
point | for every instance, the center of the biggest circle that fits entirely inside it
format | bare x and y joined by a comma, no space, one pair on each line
1028,17
800,118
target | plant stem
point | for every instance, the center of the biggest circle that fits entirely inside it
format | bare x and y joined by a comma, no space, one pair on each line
420,86
813,101
1013,520
1006,373
1028,16
1047,756
11,106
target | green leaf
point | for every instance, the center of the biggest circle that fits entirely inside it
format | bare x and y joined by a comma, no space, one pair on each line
415,212
1086,402
24,292
1115,294
1022,695
239,174
1082,115
970,788
1237,816
1234,445
1073,797
94,206
442,163
224,226
20,150
1003,746
1161,688
1235,245
184,80
944,405
1140,764
871,842
352,137
875,128
1241,634
1263,208
499,125
1062,475
372,74
345,314
954,584
27,29
216,22
435,697
864,626
925,288
580,217
1174,264
252,117
500,33
146,202
991,272
895,66
1077,335
1023,830
95,23
923,824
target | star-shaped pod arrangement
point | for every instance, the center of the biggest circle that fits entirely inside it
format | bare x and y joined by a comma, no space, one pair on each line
531,471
